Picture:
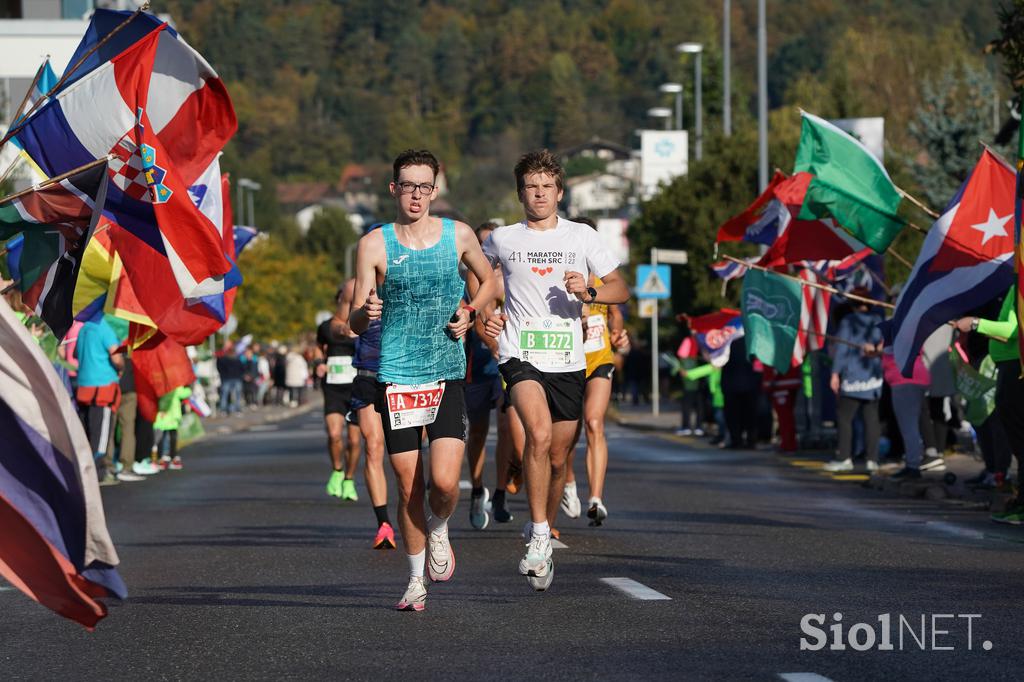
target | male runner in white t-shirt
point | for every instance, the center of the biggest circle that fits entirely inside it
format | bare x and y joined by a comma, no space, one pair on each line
545,262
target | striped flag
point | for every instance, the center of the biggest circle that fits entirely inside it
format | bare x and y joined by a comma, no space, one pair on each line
1018,215
728,270
56,220
54,546
814,304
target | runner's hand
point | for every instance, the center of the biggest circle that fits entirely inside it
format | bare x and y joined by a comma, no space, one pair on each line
321,370
373,306
460,325
495,324
620,339
576,283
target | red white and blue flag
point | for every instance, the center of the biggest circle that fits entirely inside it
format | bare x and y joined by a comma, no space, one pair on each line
772,221
54,543
162,115
966,260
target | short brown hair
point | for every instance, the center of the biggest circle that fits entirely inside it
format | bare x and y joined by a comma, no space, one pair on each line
416,157
541,161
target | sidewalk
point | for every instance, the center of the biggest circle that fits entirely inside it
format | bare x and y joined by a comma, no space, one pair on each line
246,419
946,486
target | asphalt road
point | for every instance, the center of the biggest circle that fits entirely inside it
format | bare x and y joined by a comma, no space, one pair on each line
240,567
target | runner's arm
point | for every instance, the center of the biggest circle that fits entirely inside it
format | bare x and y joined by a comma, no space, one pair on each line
368,254
473,257
472,287
340,321
614,289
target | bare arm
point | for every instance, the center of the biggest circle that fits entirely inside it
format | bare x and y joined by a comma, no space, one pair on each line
473,286
340,321
473,256
369,256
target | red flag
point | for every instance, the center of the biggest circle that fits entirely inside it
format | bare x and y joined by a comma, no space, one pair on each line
159,370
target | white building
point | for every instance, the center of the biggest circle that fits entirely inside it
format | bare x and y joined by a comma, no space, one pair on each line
29,31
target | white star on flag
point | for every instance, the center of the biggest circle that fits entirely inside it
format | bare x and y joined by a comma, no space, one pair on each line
993,227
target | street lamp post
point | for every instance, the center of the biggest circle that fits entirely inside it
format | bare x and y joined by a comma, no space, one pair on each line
677,90
696,49
726,67
663,113
762,97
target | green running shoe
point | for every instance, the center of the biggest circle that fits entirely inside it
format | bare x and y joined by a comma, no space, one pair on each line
348,490
1013,515
334,483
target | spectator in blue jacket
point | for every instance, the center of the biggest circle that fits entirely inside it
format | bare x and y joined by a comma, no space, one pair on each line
857,380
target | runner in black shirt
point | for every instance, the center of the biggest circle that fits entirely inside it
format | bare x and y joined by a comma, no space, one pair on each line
337,374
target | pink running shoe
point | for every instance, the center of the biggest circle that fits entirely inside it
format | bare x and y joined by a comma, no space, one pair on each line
385,537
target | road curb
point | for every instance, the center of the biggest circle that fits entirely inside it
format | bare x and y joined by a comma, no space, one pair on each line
228,428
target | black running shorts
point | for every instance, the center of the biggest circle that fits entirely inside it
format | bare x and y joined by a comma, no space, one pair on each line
564,390
364,392
604,371
450,422
337,398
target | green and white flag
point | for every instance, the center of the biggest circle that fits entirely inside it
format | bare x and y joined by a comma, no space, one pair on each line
850,184
771,317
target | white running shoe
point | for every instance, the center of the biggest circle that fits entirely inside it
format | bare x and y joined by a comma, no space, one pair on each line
415,597
872,466
145,468
129,477
538,556
597,512
440,557
839,465
571,501
478,510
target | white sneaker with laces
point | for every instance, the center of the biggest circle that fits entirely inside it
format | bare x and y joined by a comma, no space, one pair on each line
440,557
872,466
571,501
415,597
145,468
538,554
839,465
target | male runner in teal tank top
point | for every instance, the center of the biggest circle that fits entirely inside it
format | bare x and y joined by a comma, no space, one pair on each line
407,276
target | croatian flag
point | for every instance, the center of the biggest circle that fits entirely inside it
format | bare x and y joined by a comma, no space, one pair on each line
965,261
716,341
54,546
150,109
728,269
244,235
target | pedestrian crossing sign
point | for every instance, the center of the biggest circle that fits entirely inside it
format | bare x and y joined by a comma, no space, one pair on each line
653,281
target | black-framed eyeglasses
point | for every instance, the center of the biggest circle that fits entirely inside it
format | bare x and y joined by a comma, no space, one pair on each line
410,187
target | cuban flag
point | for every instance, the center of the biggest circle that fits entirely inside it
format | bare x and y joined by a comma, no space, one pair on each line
966,260
153,110
54,545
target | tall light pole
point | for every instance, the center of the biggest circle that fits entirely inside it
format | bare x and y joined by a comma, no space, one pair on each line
677,90
696,49
762,96
663,113
726,66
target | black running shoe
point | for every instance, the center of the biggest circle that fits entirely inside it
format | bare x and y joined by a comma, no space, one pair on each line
906,474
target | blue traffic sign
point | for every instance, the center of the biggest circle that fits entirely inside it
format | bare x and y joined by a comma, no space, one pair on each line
653,281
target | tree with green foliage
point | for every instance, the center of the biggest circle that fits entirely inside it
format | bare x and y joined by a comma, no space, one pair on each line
283,291
955,116
330,234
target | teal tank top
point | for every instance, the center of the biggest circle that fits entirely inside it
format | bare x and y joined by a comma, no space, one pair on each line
421,291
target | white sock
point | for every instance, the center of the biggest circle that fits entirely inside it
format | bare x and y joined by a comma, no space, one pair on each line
541,528
416,562
594,500
437,525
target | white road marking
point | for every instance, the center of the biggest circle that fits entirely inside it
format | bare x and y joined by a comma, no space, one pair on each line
558,544
264,427
803,677
634,589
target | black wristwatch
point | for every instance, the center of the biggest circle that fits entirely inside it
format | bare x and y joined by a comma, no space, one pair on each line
593,294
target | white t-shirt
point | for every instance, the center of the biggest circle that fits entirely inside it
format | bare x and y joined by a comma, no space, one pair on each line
544,326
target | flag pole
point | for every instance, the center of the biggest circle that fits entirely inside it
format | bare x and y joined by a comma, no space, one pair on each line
900,258
909,197
13,130
21,108
816,285
54,180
